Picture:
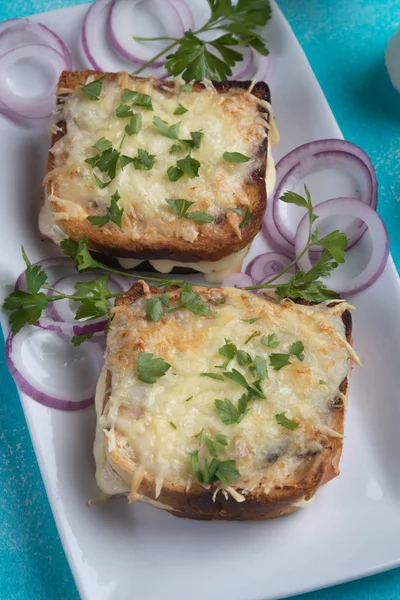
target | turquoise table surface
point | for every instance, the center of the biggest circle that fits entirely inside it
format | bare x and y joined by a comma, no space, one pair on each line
345,42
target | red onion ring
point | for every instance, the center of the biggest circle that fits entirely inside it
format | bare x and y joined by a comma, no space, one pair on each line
23,32
267,265
185,13
244,68
100,55
24,376
28,107
380,240
306,159
238,280
120,30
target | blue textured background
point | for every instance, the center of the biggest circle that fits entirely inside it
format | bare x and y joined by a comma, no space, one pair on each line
345,42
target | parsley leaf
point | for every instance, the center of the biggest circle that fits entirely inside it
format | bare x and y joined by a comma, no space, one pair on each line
154,308
297,349
135,124
195,142
260,367
285,422
93,89
186,87
243,358
229,413
175,148
227,472
189,166
246,218
180,110
228,351
27,308
213,376
201,216
150,368
102,144
179,206
174,173
35,276
123,111
193,301
213,446
253,335
235,157
77,340
172,425
125,160
144,161
271,340
278,361
169,131
251,320
253,391
136,99
113,214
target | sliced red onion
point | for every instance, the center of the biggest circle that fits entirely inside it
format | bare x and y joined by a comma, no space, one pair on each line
244,68
71,328
48,263
23,32
265,266
124,23
185,13
307,159
94,35
379,236
238,280
49,369
37,107
262,65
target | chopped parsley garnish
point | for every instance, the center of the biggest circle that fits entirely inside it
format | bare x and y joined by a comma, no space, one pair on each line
189,166
278,361
251,320
195,142
181,207
213,376
106,161
297,349
243,358
189,299
174,173
253,335
155,309
231,414
285,422
186,87
113,214
260,367
169,131
235,157
228,351
77,340
214,470
188,399
136,99
144,161
246,218
135,124
93,89
322,382
238,378
271,341
172,425
150,368
175,148
180,110
123,111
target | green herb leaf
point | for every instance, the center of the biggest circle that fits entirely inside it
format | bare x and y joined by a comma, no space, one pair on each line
169,131
228,351
297,349
174,173
123,111
77,340
144,161
246,218
193,301
136,99
201,216
271,341
125,160
237,377
213,376
113,214
253,335
69,247
150,368
135,124
194,463
261,367
154,308
93,89
179,206
175,148
186,87
189,166
227,472
243,358
102,144
285,422
228,412
322,382
278,361
293,198
188,399
172,425
235,157
180,110
213,446
195,141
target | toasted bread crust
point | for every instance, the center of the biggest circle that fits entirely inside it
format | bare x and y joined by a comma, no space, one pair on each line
197,502
204,248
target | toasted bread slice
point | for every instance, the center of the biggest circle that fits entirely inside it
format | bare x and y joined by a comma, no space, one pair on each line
153,439
232,116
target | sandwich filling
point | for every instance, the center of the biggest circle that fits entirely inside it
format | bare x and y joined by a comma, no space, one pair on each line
292,358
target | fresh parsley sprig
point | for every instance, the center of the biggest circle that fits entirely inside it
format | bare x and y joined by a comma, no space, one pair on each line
196,58
181,206
189,300
224,471
113,213
307,285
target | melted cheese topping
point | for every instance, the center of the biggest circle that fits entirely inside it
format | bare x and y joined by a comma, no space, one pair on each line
230,122
265,452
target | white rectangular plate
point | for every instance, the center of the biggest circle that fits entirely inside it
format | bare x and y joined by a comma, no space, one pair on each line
120,551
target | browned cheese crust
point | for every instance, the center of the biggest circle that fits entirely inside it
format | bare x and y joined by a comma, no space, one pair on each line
197,502
114,242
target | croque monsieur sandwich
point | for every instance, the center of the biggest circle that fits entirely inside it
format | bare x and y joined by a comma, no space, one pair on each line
218,403
159,171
